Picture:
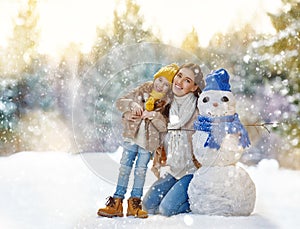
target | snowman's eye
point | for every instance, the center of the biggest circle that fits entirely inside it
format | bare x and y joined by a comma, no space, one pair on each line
224,99
205,99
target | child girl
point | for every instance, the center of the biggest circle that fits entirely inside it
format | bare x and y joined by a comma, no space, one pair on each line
143,125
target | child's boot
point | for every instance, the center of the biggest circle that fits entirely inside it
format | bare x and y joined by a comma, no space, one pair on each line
114,207
135,208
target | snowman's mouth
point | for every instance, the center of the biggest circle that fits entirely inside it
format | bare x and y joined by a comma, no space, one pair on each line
211,114
215,115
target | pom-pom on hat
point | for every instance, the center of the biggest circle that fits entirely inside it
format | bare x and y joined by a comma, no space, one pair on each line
168,71
218,80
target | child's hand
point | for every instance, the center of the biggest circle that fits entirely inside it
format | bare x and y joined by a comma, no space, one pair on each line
131,117
148,114
136,109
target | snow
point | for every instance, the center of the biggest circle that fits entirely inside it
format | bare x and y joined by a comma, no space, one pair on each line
222,190
60,190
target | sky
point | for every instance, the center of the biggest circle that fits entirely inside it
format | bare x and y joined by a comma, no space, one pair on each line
65,21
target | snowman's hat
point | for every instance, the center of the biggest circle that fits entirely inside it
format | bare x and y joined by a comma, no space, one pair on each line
218,80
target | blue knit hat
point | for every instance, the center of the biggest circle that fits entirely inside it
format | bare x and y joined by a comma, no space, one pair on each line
217,80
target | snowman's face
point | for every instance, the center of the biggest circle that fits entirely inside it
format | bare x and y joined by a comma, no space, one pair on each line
216,103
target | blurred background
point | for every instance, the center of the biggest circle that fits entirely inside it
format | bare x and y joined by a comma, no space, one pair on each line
63,63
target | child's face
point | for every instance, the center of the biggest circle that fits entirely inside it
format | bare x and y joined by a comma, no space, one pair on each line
161,84
183,82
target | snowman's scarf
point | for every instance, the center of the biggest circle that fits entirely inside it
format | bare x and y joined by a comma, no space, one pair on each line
218,127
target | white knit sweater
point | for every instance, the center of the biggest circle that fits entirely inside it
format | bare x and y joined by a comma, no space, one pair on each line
177,142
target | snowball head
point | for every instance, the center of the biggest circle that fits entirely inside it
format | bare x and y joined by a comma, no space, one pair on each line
216,103
225,191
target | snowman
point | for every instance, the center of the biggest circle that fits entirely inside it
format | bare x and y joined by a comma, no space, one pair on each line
220,186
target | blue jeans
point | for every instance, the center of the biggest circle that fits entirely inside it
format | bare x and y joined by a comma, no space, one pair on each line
130,153
168,196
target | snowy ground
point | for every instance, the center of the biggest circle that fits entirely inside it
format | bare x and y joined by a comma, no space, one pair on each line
60,190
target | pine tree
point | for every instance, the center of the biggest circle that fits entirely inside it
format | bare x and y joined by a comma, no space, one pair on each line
102,45
18,59
191,41
22,46
127,28
8,115
281,53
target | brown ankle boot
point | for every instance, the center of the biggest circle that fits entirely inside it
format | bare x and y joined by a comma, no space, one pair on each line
114,207
135,208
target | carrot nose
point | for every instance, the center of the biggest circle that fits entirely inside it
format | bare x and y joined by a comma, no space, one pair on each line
215,104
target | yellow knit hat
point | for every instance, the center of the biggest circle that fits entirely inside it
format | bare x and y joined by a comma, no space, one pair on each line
167,71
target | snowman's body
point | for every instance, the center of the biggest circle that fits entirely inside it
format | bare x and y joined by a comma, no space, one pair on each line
220,187
228,154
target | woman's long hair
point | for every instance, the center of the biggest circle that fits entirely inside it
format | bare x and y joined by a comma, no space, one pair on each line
199,81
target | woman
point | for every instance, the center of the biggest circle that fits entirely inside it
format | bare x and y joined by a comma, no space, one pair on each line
168,195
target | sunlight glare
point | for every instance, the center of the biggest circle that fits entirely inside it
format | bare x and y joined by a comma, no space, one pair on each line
6,19
66,21
207,17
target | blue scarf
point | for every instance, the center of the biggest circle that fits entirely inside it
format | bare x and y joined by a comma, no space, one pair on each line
218,127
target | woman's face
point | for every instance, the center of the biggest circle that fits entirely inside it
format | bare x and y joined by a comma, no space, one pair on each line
183,82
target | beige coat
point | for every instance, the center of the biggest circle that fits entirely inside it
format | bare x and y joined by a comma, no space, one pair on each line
155,128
